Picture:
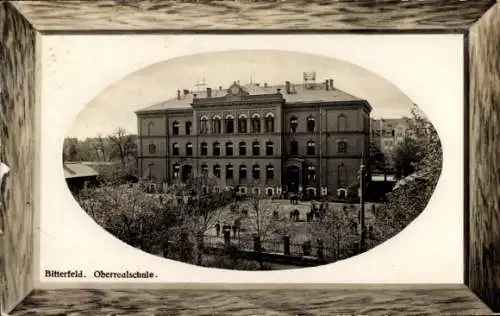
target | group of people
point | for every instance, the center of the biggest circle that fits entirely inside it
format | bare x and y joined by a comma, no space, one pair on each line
235,228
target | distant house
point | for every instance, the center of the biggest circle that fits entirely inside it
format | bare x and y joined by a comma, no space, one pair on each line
78,175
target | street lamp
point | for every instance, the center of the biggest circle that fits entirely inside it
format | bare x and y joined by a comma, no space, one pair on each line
362,207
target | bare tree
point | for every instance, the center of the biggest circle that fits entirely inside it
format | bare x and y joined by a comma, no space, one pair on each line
123,144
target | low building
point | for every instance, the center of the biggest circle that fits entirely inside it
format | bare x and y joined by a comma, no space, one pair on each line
78,175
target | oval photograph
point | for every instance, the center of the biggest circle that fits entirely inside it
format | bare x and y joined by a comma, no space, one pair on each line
252,160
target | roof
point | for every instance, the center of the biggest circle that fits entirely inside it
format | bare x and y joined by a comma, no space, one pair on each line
78,170
300,94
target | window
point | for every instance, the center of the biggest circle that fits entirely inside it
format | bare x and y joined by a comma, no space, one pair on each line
243,172
229,149
392,133
242,124
256,172
311,174
203,125
175,128
203,149
294,123
216,125
342,175
243,148
294,148
229,171
342,147
270,172
216,170
204,170
216,149
188,127
256,123
255,148
269,123
229,124
151,126
269,148
342,123
269,192
189,149
310,148
175,149
310,124
152,148
176,171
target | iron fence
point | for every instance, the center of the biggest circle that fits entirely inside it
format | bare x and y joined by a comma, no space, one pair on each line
312,250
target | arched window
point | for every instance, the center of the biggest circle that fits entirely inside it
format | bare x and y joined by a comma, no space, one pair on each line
229,171
294,148
216,170
229,149
269,123
203,149
189,149
176,171
342,123
310,124
204,170
255,123
311,148
216,149
255,148
175,128
242,124
342,147
243,172
229,124
188,125
294,123
342,175
269,148
269,172
256,172
243,148
203,125
152,148
311,174
175,149
151,127
216,125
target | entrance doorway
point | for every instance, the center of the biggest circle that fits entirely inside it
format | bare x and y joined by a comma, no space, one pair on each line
186,173
293,178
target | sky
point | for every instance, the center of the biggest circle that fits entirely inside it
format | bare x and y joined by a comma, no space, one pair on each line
114,107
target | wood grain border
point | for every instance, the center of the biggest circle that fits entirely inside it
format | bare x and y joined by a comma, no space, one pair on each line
479,21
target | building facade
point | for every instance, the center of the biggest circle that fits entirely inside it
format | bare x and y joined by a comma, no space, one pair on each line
260,139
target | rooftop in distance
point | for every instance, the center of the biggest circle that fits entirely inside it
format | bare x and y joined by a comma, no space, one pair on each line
292,93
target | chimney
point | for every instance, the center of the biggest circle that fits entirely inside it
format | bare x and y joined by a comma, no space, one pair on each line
278,90
265,84
327,85
220,88
186,91
331,84
209,92
178,94
257,84
287,87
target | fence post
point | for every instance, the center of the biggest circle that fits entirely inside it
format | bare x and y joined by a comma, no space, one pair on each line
286,245
227,238
256,243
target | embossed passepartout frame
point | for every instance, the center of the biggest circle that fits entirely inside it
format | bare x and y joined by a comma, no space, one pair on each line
22,24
